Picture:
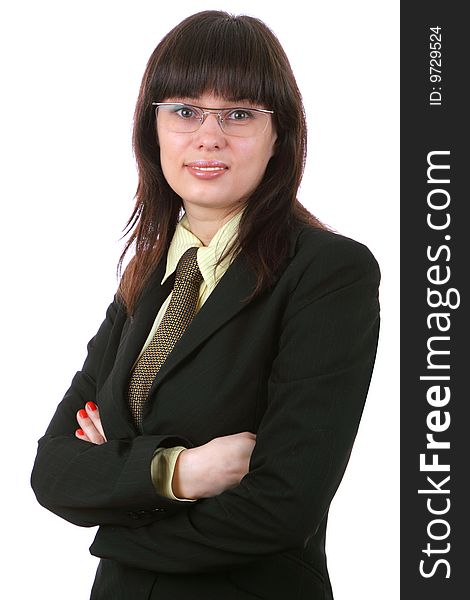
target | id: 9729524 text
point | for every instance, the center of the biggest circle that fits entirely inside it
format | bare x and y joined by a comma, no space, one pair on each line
435,66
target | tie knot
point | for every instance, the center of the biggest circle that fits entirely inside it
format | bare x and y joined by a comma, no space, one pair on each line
188,268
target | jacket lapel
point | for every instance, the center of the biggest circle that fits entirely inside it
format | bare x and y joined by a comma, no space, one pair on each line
225,301
133,337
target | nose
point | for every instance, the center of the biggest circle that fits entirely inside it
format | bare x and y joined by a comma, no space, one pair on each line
210,134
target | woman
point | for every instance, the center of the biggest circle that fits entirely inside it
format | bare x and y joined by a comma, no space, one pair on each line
221,396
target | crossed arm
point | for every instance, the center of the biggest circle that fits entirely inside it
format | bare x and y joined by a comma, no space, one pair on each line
200,472
302,444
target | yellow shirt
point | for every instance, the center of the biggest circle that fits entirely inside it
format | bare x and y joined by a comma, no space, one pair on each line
164,459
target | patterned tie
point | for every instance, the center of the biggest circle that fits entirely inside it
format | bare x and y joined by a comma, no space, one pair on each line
181,310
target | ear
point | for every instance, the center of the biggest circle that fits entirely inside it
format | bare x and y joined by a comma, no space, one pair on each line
275,144
156,136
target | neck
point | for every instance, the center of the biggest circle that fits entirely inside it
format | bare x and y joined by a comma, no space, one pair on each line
205,223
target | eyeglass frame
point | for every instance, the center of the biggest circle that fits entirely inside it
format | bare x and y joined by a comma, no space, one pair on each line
210,111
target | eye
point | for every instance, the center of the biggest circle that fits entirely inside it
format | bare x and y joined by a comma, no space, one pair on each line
240,115
186,112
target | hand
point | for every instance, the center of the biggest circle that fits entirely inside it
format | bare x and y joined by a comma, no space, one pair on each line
90,429
208,470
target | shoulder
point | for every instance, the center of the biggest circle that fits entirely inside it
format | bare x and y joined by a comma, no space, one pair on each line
313,248
324,262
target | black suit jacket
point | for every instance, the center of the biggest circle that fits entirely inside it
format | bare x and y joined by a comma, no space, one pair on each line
293,366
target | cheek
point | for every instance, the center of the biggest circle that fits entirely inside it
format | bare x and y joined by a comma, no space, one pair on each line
170,149
252,154
257,158
171,160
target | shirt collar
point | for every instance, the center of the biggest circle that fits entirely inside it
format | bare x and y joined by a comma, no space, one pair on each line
207,256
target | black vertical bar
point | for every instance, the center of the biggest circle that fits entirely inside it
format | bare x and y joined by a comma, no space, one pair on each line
435,273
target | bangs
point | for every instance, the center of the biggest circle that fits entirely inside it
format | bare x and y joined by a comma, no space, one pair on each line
227,57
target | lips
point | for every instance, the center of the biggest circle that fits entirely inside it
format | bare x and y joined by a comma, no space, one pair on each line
207,165
207,169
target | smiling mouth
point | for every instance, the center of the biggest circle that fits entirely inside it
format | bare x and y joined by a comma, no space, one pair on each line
207,168
207,165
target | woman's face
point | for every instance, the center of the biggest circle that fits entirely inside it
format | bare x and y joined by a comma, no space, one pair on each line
210,169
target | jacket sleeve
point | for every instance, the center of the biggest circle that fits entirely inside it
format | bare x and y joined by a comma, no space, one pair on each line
316,393
90,484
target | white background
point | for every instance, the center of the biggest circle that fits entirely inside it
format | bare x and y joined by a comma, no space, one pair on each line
70,78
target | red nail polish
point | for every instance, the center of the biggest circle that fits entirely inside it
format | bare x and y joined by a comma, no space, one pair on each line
91,406
80,432
82,413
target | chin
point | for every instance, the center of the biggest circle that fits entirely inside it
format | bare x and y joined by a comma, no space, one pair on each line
209,202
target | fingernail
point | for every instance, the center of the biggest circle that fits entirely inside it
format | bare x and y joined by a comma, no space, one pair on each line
82,413
80,432
91,406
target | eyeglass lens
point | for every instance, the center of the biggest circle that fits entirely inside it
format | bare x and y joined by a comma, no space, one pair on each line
183,118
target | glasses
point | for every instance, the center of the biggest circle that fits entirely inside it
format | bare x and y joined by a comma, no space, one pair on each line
186,118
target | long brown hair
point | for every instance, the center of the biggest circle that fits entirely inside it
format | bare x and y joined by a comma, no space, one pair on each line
235,57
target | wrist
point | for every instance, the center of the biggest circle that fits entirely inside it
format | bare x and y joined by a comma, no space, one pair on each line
181,481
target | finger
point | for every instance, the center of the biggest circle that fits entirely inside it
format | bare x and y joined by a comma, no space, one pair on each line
81,435
94,414
89,428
